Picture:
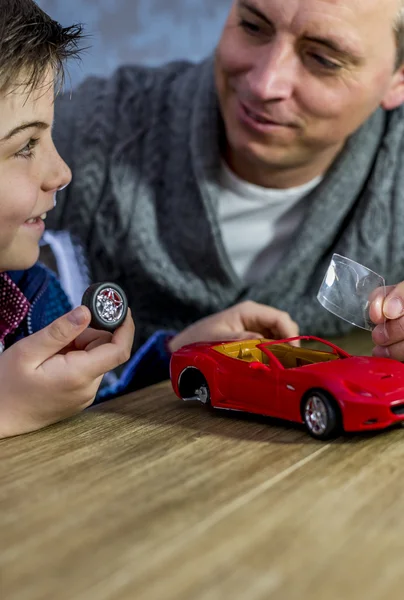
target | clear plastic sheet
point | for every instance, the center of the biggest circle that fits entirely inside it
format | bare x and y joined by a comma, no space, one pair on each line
347,291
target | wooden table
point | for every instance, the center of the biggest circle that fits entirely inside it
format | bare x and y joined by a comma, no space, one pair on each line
149,498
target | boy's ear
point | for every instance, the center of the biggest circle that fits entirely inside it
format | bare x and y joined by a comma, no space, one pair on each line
395,95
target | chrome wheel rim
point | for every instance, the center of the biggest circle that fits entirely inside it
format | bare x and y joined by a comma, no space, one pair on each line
202,393
316,415
110,305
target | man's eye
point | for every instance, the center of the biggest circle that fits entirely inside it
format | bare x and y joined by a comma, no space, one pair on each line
249,27
28,150
324,62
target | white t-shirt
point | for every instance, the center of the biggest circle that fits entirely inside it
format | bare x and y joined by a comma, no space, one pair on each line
257,223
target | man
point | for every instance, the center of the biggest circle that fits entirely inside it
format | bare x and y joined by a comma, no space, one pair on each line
196,187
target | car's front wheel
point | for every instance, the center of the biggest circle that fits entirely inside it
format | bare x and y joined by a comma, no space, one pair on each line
321,415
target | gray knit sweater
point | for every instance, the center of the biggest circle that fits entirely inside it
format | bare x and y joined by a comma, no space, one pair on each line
144,148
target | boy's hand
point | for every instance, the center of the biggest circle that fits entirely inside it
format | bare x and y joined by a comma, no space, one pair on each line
242,321
55,373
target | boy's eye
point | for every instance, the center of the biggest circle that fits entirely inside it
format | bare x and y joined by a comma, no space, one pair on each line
28,150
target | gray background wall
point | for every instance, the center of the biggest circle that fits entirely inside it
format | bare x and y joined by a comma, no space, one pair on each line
143,31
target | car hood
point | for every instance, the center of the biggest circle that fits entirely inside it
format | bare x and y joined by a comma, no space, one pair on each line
380,375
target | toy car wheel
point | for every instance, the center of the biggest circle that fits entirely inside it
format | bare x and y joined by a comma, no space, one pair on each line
108,305
320,415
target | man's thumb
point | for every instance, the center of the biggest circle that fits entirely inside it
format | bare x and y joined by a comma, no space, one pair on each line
240,335
59,334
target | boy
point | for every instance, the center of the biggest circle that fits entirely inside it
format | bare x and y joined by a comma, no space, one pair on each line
51,366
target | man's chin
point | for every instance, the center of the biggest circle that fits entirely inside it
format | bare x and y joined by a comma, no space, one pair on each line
259,157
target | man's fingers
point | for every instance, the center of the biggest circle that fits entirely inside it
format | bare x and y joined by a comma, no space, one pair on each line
271,322
51,340
234,335
393,305
376,301
380,292
389,333
395,351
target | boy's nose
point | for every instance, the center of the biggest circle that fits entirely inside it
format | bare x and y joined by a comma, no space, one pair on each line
66,176
59,177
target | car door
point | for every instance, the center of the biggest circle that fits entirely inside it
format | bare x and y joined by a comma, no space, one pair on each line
253,387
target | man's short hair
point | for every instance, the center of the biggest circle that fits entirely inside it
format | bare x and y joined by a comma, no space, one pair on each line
31,43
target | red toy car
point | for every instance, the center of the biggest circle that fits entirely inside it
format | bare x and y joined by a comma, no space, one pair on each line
327,390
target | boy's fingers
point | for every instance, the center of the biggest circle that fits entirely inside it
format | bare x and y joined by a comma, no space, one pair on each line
126,332
108,356
44,344
86,339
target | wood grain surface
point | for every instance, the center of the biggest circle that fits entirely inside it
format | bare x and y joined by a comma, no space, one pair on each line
149,498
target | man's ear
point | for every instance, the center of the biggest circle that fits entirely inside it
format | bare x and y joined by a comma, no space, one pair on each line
395,94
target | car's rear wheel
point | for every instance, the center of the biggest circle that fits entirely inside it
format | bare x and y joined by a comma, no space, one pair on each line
192,385
321,415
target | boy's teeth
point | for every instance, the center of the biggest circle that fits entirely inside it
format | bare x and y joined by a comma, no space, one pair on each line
31,221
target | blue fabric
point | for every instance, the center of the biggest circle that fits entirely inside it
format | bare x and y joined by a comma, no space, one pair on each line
150,364
48,300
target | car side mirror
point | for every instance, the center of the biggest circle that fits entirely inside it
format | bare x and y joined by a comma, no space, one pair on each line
258,366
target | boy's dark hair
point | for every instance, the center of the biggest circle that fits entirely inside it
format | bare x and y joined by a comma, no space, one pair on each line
30,43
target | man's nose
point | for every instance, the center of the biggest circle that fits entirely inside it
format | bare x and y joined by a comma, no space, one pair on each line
274,74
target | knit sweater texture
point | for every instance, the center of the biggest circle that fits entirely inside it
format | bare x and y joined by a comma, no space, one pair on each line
144,147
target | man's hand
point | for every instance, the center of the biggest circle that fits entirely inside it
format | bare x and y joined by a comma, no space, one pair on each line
55,373
242,321
388,314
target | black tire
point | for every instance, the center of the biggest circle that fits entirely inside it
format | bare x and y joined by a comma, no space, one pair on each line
104,319
321,415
